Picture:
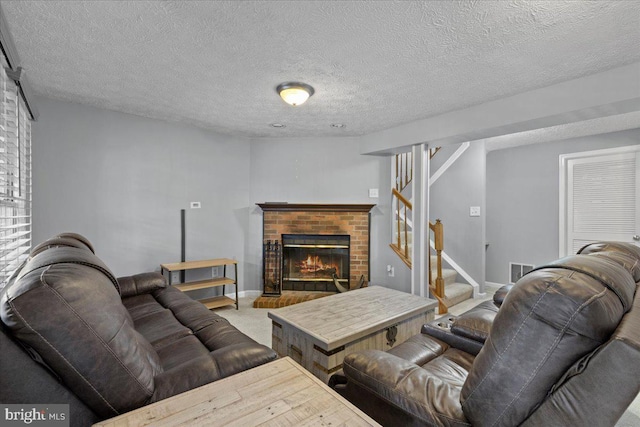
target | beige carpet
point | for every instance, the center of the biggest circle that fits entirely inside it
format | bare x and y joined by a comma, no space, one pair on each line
255,323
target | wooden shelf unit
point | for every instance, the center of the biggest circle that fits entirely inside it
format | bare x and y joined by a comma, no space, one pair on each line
212,302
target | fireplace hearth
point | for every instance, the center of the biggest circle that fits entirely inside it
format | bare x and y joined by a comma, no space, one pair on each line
310,262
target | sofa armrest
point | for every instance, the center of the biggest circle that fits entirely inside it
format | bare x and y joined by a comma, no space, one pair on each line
441,329
475,324
466,332
239,357
404,385
501,294
143,283
388,377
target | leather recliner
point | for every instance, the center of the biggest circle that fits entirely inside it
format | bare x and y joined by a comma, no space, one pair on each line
74,333
562,350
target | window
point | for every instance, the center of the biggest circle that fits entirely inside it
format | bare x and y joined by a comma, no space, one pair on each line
15,177
599,197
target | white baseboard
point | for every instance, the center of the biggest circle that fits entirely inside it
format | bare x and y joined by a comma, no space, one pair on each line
494,284
249,293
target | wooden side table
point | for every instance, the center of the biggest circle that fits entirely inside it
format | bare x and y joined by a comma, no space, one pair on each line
213,302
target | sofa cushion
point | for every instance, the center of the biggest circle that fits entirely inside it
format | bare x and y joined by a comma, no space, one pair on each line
78,237
161,328
181,351
551,318
140,306
68,255
181,329
195,315
58,241
71,314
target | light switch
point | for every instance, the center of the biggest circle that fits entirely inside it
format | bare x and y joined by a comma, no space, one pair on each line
195,205
474,211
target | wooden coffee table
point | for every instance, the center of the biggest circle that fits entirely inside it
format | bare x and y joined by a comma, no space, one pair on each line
318,334
277,393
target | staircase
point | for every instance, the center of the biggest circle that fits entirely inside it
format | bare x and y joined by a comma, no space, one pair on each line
454,292
442,282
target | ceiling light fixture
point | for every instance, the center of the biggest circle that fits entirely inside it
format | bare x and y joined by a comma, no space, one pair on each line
294,93
277,125
337,125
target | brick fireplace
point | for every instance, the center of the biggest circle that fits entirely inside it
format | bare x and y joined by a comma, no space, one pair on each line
352,220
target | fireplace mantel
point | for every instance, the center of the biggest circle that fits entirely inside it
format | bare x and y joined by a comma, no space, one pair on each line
314,207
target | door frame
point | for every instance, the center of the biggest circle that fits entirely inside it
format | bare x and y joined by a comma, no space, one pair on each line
564,160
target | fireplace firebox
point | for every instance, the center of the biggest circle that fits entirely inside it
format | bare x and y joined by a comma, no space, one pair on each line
311,262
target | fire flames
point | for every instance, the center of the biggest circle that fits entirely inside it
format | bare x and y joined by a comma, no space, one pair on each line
314,265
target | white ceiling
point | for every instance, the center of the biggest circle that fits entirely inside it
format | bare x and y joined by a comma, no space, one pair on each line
374,65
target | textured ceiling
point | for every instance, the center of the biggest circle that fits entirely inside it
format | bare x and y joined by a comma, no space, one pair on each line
374,65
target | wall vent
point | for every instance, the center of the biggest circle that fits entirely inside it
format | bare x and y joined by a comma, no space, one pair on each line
517,270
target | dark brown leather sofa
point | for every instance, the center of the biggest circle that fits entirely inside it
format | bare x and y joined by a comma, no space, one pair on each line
73,333
563,349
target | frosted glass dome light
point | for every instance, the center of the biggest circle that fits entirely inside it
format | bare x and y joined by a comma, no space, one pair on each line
295,93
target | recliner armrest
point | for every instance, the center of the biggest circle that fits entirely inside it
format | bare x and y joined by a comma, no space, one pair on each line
387,376
466,332
403,385
441,329
501,294
476,323
138,284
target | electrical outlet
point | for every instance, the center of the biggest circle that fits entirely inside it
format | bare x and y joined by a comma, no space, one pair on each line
215,272
373,193
474,211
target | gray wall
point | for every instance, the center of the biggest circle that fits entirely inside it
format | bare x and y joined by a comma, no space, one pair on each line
121,180
523,200
460,187
322,170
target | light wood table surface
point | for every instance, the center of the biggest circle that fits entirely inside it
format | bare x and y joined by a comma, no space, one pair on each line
278,393
318,334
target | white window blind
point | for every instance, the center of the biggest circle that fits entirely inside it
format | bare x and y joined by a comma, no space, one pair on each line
15,177
599,197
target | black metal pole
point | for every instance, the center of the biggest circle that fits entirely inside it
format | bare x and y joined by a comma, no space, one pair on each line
183,243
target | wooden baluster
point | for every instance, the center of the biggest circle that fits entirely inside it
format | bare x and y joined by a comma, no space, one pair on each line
406,169
406,240
431,284
411,162
397,182
439,244
400,173
398,216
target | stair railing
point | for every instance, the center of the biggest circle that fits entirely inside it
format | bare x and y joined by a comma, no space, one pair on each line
403,206
404,170
404,176
437,288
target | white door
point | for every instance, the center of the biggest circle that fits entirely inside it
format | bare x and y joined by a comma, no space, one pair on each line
600,194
